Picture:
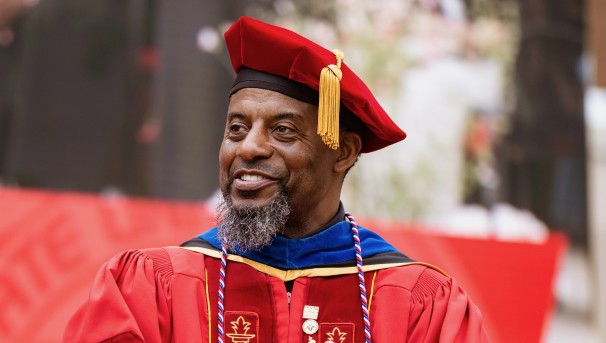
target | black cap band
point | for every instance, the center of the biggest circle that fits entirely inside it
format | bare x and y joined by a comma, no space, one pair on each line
252,78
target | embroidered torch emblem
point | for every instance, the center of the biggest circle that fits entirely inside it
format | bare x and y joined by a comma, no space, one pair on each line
240,334
336,336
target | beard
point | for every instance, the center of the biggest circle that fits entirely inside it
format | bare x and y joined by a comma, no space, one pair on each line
251,228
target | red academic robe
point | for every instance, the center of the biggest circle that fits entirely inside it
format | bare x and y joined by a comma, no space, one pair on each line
170,295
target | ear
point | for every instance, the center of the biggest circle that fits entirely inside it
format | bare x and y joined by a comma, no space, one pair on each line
349,149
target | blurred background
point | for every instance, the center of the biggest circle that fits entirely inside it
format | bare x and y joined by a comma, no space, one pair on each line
504,103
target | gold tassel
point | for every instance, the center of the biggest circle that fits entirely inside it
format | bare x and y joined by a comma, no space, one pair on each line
330,101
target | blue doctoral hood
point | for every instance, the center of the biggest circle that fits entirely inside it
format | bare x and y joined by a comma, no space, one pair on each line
331,246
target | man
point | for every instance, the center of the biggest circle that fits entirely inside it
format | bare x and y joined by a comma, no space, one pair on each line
286,263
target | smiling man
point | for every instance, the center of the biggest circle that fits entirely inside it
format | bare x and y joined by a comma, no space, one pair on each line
286,263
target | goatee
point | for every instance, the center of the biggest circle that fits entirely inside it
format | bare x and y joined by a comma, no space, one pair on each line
251,228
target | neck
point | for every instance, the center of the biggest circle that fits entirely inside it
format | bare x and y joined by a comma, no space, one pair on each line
311,228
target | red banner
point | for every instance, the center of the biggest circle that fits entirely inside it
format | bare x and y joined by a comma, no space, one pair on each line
52,244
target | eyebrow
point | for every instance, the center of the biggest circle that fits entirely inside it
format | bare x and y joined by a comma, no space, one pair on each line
235,115
289,115
279,116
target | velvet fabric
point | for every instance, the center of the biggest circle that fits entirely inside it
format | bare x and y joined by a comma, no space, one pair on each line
170,295
330,246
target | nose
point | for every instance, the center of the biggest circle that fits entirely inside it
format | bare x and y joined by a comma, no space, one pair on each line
255,145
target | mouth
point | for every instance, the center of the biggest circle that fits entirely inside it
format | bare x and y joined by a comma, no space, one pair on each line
247,181
251,177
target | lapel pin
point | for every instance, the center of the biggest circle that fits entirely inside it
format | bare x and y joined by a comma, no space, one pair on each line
310,313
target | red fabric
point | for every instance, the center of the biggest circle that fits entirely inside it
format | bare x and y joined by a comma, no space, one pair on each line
502,277
279,51
159,295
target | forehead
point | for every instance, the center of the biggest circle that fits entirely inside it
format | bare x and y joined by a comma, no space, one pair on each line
255,101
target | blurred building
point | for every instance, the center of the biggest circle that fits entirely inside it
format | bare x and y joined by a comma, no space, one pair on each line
114,96
544,155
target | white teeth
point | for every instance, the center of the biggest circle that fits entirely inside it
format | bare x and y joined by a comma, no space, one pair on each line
248,177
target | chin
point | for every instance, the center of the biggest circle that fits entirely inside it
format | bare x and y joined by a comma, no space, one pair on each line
243,201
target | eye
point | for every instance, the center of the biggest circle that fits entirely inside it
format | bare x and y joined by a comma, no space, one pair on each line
236,128
283,129
235,131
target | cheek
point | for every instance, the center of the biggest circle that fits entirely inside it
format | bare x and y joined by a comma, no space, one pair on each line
227,152
310,172
225,161
301,165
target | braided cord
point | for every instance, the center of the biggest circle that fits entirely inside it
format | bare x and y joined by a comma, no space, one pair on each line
221,323
361,280
361,283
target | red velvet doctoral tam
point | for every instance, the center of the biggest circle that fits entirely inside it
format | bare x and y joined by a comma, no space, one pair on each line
261,46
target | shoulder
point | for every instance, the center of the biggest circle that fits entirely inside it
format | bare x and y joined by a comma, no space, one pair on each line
417,278
423,304
165,262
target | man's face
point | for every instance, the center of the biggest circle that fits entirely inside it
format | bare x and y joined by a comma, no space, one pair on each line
270,147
